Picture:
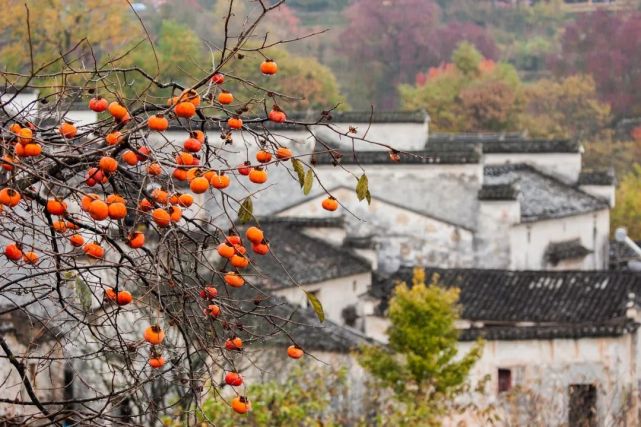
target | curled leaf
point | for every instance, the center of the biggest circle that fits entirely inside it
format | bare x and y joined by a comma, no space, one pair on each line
362,188
84,294
300,171
245,212
316,305
309,181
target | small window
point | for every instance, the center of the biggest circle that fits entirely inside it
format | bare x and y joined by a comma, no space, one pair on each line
354,286
505,380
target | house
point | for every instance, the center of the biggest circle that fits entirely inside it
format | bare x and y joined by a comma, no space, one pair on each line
26,341
465,201
561,347
308,256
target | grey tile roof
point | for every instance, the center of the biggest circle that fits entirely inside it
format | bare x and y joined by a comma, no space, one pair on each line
273,318
346,117
383,157
557,304
303,259
542,196
502,143
568,249
507,191
606,178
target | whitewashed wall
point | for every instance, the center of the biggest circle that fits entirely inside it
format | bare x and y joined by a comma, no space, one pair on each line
47,382
335,294
530,240
606,192
403,237
402,136
492,240
545,369
564,166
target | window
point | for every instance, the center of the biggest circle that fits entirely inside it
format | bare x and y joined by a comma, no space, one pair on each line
505,380
582,411
354,285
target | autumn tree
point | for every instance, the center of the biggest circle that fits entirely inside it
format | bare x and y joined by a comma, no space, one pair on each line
315,84
60,27
127,235
421,363
565,108
604,46
627,211
400,47
469,94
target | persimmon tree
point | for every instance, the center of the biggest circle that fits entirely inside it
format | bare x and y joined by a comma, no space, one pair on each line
125,247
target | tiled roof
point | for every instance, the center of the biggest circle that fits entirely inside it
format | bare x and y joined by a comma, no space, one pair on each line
620,254
551,303
568,249
508,191
532,146
303,259
383,157
542,196
300,323
597,178
502,143
346,117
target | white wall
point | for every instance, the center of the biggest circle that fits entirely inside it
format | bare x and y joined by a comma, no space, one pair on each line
47,379
402,136
403,237
606,192
492,239
544,370
530,240
22,103
334,295
564,166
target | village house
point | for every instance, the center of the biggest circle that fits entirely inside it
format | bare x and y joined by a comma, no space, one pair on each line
561,347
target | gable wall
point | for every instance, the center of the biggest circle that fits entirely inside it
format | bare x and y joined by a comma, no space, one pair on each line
530,240
403,237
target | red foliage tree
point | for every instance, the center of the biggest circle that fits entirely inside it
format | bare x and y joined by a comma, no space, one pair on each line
389,42
605,46
448,37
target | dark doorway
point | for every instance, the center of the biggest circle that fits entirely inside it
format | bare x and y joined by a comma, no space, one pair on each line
582,412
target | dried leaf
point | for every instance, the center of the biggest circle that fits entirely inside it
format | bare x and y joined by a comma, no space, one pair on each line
84,294
362,187
245,212
309,181
300,170
316,305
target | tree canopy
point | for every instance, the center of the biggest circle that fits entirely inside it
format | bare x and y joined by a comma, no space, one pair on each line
421,362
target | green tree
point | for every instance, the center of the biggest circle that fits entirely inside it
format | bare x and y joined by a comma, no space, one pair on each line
627,212
566,108
421,363
314,83
303,398
177,49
